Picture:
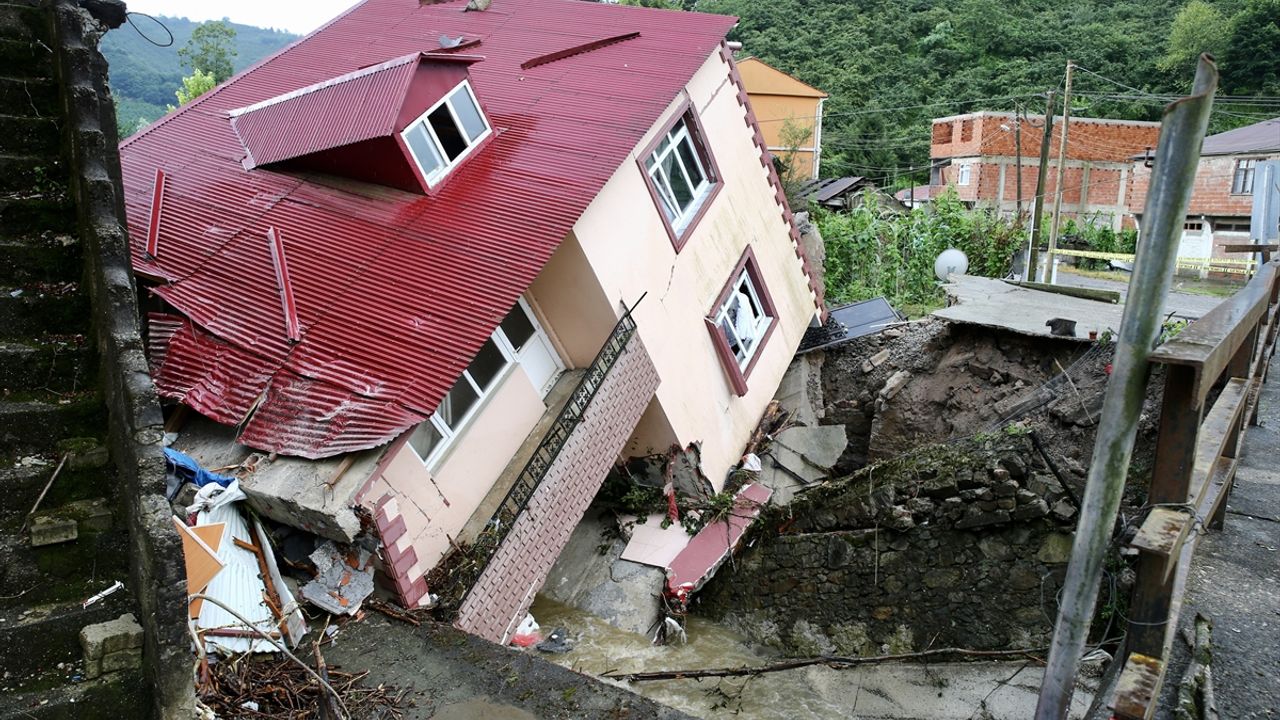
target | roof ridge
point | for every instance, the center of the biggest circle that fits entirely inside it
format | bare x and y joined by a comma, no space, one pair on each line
348,77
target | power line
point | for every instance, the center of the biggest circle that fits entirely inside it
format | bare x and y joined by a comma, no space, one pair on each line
873,111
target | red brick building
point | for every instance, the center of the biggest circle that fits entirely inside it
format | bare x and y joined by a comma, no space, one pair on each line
1222,198
977,155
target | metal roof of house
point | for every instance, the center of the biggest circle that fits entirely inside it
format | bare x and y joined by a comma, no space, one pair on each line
367,102
395,291
1259,137
826,189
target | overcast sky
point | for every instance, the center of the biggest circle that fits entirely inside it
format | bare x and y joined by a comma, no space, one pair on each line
296,16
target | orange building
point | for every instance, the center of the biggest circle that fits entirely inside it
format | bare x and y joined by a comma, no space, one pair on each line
777,98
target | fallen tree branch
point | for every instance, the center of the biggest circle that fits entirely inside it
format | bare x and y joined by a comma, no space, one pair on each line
833,661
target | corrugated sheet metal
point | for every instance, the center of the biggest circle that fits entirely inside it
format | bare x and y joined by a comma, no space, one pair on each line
240,585
395,291
354,107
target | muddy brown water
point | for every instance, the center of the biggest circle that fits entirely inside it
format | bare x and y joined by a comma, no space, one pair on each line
946,691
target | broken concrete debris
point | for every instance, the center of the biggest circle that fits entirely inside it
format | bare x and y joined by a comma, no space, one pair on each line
800,456
111,646
342,581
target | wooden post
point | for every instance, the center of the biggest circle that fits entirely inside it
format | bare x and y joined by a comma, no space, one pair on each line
1037,205
1180,416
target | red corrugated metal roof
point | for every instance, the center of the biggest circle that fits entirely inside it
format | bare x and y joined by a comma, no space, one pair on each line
344,110
395,291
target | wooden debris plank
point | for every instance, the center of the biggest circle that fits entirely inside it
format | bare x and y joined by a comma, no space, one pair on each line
1162,534
1215,431
1138,687
1209,343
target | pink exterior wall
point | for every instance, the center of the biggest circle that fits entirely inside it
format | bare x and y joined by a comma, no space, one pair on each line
502,595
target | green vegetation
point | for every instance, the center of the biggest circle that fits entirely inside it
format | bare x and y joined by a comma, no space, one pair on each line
210,50
145,77
891,66
1097,238
197,84
873,252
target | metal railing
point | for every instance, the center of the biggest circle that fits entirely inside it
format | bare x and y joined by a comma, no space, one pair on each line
544,457
1228,351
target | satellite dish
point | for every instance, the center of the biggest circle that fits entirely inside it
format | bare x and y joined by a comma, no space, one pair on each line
448,42
950,261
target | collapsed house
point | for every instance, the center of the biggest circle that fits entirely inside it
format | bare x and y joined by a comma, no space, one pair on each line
427,274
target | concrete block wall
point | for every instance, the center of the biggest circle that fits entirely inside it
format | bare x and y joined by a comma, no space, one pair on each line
1210,195
135,424
502,595
1088,139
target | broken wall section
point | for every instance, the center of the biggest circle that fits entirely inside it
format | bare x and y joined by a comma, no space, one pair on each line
961,544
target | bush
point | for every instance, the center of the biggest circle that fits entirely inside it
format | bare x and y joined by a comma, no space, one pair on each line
873,252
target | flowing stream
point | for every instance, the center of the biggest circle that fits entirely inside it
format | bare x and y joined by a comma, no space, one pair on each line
941,691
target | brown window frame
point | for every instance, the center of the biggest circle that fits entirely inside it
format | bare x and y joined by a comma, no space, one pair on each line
698,135
736,374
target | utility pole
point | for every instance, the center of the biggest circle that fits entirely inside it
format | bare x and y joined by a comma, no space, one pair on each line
1037,204
1181,132
1017,144
1049,274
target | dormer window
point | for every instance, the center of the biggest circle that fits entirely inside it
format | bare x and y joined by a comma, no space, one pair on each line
443,135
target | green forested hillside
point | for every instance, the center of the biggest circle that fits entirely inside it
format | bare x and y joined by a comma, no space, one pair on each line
144,77
933,58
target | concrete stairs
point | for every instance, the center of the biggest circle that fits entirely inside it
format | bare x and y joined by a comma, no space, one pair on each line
50,410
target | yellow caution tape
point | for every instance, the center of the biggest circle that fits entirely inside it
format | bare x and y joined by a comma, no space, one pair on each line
1233,265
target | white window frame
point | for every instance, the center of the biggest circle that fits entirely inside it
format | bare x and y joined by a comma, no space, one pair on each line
758,329
653,165
1242,179
448,434
447,164
964,174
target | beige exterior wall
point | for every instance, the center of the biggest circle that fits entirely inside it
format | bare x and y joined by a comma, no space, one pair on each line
436,505
623,238
574,309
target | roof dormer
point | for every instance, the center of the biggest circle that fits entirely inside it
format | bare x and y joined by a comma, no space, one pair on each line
405,123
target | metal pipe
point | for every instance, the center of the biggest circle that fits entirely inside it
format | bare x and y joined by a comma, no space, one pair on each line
1181,134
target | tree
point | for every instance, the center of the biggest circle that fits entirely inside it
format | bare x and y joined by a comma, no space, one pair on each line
1198,28
211,49
193,86
1251,60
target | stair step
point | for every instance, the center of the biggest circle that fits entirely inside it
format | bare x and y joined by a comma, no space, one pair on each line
37,97
39,309
59,365
46,257
32,175
24,22
35,214
25,58
34,640
21,484
28,425
28,135
110,697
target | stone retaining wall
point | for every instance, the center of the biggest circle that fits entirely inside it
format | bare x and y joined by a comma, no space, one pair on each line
957,545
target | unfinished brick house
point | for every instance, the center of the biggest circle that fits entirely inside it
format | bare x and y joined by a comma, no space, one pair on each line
441,269
977,155
1222,198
